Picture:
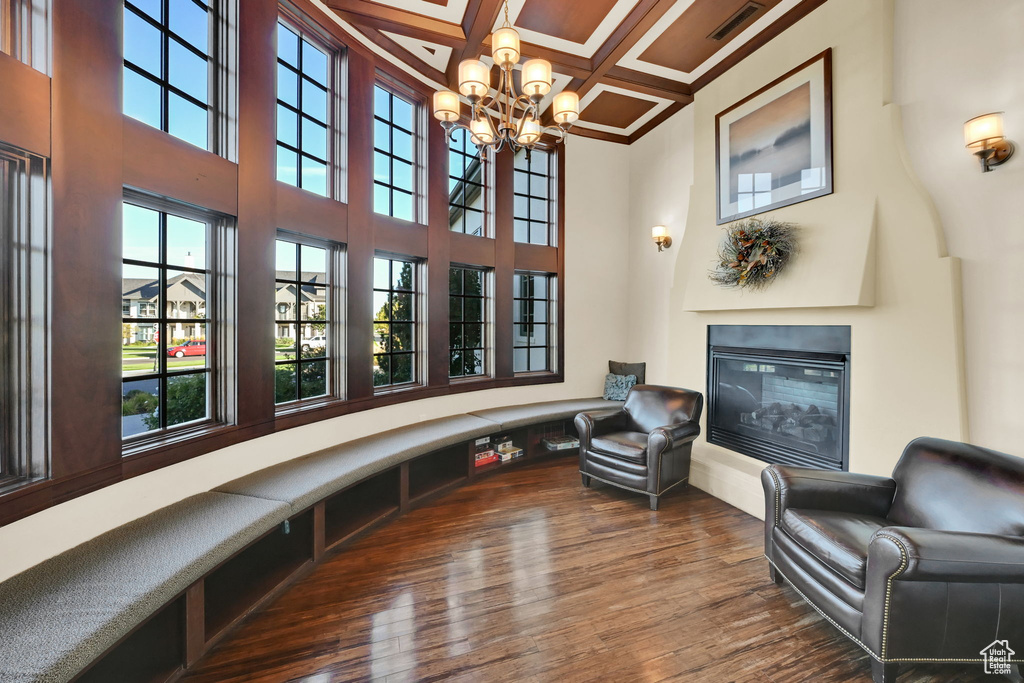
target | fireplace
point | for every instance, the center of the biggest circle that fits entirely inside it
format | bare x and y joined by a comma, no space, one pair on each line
780,393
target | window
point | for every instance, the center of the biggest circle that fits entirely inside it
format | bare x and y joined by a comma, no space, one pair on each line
24,334
467,194
25,33
305,322
467,320
533,205
394,322
393,155
304,111
168,69
167,353
532,322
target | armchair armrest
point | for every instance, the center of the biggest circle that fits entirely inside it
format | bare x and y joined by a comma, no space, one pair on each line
598,422
915,554
670,436
804,487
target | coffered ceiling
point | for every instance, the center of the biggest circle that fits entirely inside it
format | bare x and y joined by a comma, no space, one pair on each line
634,63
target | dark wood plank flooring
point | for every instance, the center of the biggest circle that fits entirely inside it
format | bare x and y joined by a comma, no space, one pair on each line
528,576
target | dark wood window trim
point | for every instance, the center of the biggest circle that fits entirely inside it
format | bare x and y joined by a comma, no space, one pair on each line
90,185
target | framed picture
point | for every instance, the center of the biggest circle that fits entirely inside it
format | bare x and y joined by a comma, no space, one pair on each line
774,148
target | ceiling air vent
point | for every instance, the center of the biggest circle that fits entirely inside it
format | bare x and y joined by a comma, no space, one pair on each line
736,20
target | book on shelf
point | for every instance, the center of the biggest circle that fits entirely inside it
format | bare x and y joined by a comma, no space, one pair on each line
560,443
486,458
508,451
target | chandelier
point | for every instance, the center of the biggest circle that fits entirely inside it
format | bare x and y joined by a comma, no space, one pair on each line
504,118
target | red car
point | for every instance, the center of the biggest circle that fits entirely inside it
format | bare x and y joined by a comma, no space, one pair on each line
190,348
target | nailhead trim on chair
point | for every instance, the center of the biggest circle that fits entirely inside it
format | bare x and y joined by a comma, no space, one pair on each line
864,647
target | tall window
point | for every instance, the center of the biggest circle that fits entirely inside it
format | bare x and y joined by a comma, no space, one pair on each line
168,69
394,322
393,155
25,31
303,112
467,195
305,334
534,204
23,317
467,319
532,322
167,341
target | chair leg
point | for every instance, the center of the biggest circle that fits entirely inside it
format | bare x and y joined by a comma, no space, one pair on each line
775,575
586,480
884,672
654,501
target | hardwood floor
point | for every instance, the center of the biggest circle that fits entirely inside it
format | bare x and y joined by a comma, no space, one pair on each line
528,576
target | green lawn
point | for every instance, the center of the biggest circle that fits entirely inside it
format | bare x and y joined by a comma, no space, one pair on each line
143,358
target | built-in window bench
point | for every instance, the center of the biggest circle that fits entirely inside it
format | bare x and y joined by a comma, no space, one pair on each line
146,600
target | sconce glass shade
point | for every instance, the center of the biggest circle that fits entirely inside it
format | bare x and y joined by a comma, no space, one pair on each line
446,106
481,132
505,46
536,77
659,231
529,133
566,107
982,131
474,78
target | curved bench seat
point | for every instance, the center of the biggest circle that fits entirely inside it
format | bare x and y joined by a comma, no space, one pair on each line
311,478
84,607
514,417
63,614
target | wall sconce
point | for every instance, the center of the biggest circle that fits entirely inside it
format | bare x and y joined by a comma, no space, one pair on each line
661,238
984,136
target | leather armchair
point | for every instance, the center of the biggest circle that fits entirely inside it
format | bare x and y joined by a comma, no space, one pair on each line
923,566
645,445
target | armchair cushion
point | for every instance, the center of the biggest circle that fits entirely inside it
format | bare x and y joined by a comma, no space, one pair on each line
839,540
626,445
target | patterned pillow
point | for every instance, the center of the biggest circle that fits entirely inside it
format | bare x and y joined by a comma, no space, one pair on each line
617,386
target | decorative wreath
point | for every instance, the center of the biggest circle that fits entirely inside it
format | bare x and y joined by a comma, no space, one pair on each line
754,252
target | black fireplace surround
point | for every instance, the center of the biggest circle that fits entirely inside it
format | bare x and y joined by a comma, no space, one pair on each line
781,393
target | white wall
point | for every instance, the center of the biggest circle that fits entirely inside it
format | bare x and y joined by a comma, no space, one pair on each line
596,294
955,60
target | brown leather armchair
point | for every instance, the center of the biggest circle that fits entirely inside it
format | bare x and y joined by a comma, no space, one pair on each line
645,445
925,566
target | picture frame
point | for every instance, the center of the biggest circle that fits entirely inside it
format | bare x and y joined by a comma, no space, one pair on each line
774,147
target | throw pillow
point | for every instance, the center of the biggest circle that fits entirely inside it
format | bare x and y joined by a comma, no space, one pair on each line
617,386
639,369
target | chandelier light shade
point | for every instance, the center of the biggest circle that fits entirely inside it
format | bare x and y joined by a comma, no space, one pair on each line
446,106
566,107
474,78
504,118
505,47
536,77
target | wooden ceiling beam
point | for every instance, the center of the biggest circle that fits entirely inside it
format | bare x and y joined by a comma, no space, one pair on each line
648,82
404,55
476,26
634,27
382,17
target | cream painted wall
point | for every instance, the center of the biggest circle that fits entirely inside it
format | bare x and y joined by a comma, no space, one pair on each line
596,213
907,376
942,78
661,173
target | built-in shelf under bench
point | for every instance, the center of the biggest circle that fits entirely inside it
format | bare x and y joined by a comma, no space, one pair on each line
145,601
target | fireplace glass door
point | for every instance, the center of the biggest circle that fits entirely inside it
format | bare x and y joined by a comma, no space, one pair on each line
779,409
